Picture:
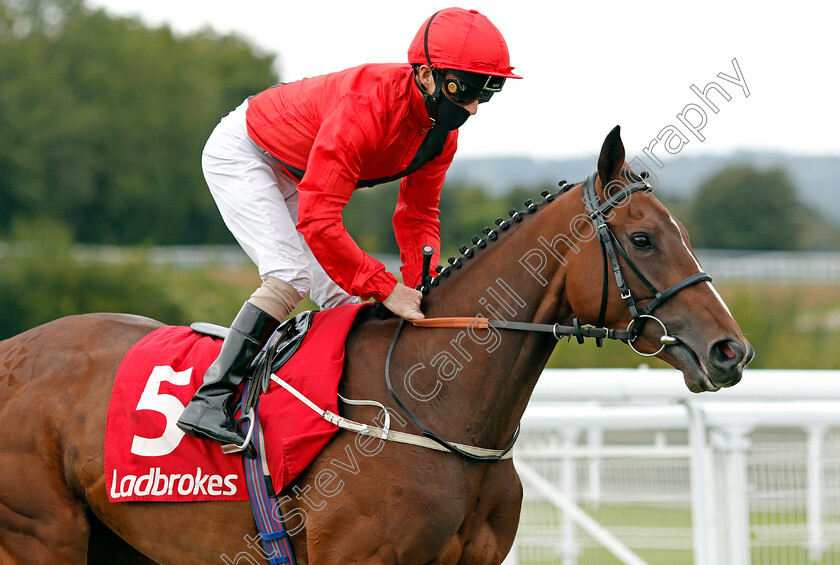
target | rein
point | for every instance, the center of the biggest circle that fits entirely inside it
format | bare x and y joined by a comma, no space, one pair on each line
494,454
558,331
609,243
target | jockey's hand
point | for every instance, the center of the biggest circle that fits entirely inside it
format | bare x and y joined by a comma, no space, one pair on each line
404,302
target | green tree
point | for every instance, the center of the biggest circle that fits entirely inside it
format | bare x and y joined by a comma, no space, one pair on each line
368,218
744,208
102,121
41,280
464,212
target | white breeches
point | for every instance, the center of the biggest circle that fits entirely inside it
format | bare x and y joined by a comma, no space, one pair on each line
258,202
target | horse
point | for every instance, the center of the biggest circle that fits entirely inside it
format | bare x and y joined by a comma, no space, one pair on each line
366,500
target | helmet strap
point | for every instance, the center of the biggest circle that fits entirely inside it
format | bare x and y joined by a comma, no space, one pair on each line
438,79
426,39
443,111
436,74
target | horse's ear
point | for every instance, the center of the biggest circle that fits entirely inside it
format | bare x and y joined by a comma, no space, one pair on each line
612,156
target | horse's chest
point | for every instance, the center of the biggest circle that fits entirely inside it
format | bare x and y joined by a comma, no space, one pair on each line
413,506
469,520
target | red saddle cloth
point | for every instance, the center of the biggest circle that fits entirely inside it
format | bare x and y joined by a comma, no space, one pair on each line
147,457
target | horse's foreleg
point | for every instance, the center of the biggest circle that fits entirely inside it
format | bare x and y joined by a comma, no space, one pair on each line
106,547
40,520
496,517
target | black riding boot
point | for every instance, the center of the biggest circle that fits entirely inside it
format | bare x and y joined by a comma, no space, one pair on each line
209,414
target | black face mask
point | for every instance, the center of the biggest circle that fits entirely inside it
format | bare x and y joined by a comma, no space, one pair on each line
446,113
450,115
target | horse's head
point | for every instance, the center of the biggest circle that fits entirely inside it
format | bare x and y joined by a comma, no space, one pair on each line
653,282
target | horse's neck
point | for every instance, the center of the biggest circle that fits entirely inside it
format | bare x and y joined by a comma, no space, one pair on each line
498,368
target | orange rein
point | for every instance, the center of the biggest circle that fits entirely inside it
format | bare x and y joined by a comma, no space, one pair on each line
476,322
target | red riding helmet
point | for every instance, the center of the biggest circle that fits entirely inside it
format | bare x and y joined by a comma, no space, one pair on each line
463,40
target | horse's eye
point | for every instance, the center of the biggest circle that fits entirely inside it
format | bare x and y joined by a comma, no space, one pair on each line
641,241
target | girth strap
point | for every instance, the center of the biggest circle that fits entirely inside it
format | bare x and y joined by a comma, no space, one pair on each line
264,504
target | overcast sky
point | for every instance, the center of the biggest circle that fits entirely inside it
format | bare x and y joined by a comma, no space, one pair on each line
588,65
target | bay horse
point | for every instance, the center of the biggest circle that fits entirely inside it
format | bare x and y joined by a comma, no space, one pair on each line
381,502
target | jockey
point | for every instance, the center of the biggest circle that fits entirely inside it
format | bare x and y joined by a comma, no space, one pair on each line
282,166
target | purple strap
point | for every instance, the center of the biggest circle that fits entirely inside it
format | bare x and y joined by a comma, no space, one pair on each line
264,504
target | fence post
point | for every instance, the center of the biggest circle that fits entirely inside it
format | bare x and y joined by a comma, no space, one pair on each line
814,511
569,546
734,523
595,437
702,499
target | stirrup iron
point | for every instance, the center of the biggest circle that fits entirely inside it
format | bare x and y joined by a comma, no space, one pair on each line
229,448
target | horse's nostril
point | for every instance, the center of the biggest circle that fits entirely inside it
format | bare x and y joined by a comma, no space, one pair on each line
727,350
726,353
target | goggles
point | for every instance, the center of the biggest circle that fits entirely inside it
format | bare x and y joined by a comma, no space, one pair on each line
464,87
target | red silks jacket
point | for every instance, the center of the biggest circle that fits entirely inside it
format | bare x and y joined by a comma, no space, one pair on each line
335,130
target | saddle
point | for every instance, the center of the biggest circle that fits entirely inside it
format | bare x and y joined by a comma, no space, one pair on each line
280,348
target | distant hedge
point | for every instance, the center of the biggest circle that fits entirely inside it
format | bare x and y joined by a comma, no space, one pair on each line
43,281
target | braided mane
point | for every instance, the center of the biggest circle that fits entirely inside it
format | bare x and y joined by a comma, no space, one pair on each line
492,234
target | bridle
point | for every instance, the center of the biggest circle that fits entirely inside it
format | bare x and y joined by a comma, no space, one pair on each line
609,243
610,250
